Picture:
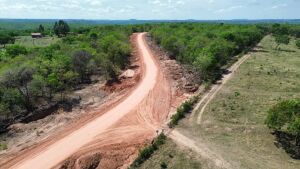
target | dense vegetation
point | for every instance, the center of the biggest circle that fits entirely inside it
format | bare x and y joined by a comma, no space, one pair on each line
34,75
285,117
206,46
30,77
209,47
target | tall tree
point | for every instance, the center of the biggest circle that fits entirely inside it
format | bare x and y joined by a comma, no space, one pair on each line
41,29
282,39
6,38
61,28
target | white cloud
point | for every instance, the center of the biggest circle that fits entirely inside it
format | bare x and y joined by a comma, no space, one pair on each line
229,9
149,9
279,6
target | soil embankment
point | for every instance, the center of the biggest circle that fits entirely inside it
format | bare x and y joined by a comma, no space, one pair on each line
110,140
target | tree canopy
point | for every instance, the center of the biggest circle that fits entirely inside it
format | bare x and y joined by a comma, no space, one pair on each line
206,46
61,28
285,117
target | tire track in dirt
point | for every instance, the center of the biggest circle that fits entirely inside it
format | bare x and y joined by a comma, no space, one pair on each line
199,148
208,97
113,139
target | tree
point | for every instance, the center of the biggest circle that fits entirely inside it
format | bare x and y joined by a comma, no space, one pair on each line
61,28
80,60
282,39
19,78
41,29
285,117
205,63
298,43
6,38
93,35
15,50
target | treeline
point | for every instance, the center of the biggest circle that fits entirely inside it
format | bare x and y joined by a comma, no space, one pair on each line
30,77
208,47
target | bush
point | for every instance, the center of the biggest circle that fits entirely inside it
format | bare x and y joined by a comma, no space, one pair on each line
15,50
285,117
298,43
3,146
149,150
185,108
163,165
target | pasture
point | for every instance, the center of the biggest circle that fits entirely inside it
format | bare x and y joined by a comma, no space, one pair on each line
28,41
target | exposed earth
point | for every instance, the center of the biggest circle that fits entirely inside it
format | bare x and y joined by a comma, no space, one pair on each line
109,135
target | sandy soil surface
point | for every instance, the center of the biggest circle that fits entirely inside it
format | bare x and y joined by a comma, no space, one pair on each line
200,148
111,140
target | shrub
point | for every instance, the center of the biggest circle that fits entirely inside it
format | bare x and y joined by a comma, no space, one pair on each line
15,50
163,165
298,43
149,150
185,108
3,146
285,117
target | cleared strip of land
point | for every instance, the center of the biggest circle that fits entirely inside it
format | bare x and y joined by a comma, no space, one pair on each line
143,108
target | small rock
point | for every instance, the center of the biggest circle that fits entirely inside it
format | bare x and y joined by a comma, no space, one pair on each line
127,74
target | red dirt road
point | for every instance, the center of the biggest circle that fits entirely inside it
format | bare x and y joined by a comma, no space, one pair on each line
118,133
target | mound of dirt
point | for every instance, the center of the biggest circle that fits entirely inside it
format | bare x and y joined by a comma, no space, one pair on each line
184,77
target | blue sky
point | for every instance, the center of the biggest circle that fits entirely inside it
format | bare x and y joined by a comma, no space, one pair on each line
150,9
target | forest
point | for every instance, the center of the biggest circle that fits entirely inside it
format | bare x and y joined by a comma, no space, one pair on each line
31,76
208,47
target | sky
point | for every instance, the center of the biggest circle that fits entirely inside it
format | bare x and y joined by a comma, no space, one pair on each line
150,9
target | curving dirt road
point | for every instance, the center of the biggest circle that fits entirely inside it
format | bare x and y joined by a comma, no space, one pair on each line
124,128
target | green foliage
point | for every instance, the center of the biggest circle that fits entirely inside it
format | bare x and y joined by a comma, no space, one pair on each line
282,39
29,76
298,43
6,38
283,113
185,108
163,165
285,116
61,28
149,150
208,47
3,146
41,29
15,50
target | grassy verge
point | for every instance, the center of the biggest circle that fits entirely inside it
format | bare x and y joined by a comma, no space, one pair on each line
233,124
184,109
169,155
148,151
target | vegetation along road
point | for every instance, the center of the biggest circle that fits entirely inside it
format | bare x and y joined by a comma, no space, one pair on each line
143,120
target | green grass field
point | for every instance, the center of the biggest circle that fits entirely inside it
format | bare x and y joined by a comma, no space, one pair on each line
233,123
173,156
27,41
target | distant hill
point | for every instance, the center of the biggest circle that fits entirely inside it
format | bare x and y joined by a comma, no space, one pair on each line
21,24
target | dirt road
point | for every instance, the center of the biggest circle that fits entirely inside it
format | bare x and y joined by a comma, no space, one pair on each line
200,148
122,129
197,146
